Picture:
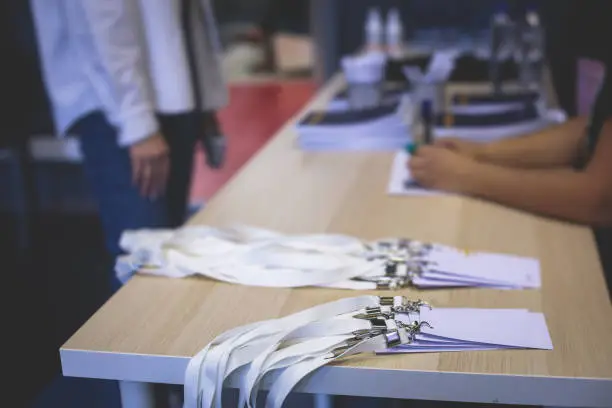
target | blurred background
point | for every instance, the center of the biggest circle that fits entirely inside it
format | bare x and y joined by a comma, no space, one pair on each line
277,53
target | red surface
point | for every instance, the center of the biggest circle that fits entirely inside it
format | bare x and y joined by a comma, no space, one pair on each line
255,113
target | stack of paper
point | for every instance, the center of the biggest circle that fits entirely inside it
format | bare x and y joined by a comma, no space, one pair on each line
450,267
491,117
380,128
439,266
475,330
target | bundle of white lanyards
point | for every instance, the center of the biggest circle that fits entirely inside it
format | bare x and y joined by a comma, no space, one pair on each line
294,346
258,257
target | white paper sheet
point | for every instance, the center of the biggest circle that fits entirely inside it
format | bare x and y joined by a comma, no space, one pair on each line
514,329
400,177
492,268
425,283
435,279
467,329
342,105
449,349
388,132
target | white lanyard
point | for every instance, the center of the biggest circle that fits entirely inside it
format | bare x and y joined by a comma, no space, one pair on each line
296,344
255,257
293,374
194,375
337,328
252,256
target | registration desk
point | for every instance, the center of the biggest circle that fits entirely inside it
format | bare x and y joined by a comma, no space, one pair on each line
151,328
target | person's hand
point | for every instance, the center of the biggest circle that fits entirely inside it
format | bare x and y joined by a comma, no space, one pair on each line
441,169
150,165
463,147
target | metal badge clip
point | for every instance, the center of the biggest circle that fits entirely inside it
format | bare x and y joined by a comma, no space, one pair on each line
340,350
414,328
386,300
411,306
393,338
370,313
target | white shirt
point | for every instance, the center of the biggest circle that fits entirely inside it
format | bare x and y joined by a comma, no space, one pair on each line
126,58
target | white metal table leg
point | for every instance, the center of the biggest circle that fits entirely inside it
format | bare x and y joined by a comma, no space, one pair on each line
137,394
323,401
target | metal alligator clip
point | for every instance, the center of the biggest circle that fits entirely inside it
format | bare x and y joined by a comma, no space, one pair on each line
370,313
411,306
349,344
414,328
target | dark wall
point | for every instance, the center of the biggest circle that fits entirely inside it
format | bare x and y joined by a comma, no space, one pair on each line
575,29
25,107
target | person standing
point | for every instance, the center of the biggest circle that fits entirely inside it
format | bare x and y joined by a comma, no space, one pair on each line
138,81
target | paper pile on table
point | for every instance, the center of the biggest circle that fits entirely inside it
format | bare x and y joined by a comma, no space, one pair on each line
440,266
380,128
450,267
466,329
488,117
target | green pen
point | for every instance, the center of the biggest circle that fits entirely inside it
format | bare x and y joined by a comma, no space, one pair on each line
411,148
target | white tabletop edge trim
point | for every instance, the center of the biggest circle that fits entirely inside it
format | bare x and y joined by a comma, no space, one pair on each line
365,382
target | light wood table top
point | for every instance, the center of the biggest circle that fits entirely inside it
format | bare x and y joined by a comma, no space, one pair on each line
148,331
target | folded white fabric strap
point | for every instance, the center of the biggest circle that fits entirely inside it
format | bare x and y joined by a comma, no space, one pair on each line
296,345
258,257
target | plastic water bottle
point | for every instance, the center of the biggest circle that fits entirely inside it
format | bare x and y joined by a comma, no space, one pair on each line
394,33
531,52
502,33
374,30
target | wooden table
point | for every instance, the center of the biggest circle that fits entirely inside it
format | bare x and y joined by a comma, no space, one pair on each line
149,330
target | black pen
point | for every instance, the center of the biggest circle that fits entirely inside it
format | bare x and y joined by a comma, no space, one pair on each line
427,119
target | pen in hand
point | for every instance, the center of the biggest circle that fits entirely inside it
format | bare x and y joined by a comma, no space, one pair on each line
427,136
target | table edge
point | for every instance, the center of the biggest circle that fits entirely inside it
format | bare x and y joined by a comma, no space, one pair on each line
363,382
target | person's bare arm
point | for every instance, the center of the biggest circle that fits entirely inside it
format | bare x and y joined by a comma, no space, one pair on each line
583,196
578,196
559,146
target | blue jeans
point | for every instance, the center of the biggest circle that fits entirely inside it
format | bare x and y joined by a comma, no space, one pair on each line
109,172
